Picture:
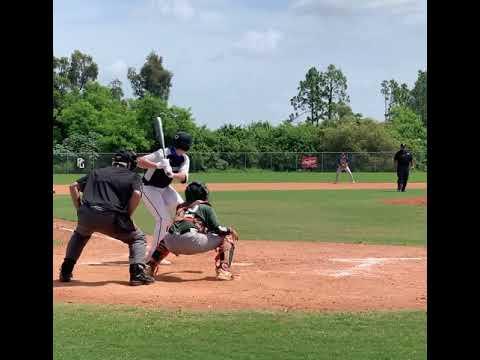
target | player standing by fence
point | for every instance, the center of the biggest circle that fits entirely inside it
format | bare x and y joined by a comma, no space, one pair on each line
343,167
403,162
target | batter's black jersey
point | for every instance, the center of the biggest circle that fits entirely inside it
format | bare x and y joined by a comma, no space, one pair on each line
403,157
157,177
110,187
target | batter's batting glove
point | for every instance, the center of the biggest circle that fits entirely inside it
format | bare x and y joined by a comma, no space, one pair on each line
162,164
168,171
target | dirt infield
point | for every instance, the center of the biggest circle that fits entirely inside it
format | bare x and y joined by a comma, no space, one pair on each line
419,201
270,275
63,189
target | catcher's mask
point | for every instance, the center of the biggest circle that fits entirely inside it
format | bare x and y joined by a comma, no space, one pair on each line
125,158
182,140
196,191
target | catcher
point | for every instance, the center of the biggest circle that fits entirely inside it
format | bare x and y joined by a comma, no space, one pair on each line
196,230
343,167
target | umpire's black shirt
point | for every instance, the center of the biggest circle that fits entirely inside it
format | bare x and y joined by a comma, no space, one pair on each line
110,188
404,158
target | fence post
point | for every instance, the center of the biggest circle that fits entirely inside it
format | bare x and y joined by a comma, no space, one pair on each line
245,160
296,161
271,161
322,161
66,166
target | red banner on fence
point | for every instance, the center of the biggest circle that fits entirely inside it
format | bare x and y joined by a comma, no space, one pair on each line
309,162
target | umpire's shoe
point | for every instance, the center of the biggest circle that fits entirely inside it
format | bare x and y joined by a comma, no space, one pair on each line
65,277
66,270
138,276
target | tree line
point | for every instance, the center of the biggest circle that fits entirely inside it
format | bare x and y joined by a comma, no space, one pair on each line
91,117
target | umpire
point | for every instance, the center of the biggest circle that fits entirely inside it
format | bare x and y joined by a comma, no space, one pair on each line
110,196
403,161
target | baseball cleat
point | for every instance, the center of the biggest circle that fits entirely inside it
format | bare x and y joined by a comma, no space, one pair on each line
151,268
139,275
141,279
65,277
224,274
66,270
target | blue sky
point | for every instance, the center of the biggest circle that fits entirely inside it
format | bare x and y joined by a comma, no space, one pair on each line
238,61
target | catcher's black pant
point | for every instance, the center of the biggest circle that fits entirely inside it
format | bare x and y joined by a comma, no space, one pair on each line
402,177
117,226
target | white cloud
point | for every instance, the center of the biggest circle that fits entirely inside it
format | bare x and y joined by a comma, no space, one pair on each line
118,69
357,7
182,9
258,42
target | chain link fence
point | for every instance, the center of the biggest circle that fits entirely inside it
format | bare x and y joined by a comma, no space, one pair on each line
274,161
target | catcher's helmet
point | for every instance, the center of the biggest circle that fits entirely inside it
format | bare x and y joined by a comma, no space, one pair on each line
128,158
196,191
182,140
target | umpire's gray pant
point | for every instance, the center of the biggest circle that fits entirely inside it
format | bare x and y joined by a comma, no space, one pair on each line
90,221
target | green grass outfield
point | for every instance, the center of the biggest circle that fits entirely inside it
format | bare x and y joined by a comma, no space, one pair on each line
348,216
87,332
273,176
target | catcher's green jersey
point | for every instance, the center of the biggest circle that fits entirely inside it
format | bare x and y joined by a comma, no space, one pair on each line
202,212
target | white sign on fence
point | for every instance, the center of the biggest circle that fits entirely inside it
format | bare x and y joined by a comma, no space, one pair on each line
80,163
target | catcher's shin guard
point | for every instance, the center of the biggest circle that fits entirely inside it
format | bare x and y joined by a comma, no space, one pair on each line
160,253
224,258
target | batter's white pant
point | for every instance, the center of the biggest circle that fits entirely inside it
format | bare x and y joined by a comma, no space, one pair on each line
162,204
347,169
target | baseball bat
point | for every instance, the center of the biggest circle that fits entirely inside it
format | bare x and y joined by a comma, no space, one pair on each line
159,132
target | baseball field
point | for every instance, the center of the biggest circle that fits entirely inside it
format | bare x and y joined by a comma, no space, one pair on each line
323,271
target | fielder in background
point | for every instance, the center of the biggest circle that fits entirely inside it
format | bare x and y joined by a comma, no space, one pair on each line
110,196
403,162
343,167
160,198
196,230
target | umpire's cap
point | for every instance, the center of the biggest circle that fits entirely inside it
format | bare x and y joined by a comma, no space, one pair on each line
182,140
196,191
128,158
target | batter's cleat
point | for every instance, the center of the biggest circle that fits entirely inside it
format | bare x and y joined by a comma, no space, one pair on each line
223,274
139,276
151,268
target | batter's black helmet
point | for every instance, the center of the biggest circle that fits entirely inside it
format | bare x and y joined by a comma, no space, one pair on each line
196,191
182,140
128,158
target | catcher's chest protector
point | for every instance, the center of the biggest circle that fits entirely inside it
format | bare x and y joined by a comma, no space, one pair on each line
188,213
